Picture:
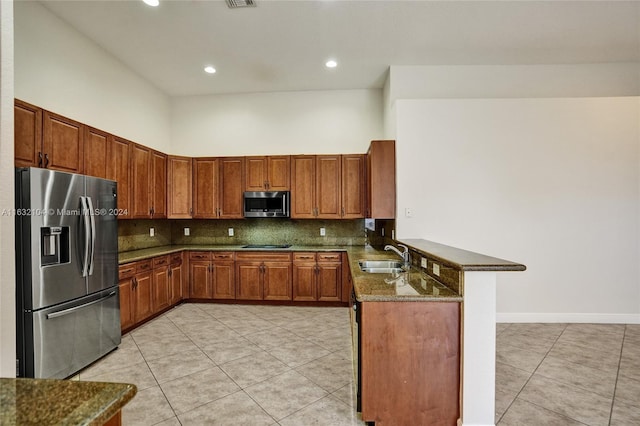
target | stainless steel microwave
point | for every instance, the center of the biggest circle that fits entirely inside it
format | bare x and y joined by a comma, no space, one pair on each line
266,204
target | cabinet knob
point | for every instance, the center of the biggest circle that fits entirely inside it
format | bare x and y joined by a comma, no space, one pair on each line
46,160
39,159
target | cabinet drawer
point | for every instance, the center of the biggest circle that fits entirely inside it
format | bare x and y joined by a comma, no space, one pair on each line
264,255
144,265
224,255
200,255
175,259
304,257
126,271
329,257
160,261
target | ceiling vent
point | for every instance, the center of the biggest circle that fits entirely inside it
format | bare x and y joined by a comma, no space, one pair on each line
234,4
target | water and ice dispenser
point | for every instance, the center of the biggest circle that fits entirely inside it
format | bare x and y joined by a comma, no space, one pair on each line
54,244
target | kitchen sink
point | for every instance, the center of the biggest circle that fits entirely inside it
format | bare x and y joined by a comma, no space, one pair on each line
380,266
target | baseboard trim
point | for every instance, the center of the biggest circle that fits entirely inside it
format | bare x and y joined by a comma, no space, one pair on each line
568,318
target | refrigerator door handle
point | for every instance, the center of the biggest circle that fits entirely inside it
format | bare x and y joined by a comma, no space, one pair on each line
77,308
87,235
92,221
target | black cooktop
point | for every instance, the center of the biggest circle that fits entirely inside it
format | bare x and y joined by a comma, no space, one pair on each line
267,246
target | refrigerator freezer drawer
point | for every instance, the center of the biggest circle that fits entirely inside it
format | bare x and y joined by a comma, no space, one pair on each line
70,336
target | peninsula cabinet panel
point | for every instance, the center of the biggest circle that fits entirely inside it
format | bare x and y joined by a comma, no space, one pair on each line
96,152
205,183
381,176
179,187
353,186
328,197
303,187
410,349
140,181
27,135
158,189
62,143
231,201
119,162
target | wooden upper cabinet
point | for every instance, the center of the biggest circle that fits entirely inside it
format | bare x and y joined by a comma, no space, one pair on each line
230,196
205,182
271,173
353,186
119,161
140,174
179,187
27,134
381,176
62,143
328,197
303,185
158,189
96,152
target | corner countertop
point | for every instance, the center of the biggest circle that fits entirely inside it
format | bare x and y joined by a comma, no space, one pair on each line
55,402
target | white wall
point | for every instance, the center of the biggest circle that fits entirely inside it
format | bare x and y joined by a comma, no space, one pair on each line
7,224
59,69
551,183
337,121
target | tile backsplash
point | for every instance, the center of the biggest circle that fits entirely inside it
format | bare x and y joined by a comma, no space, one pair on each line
134,234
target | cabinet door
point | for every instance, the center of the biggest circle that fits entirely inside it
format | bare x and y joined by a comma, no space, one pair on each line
279,173
249,280
119,170
205,184
158,189
176,279
140,174
353,187
96,152
381,176
161,289
27,135
303,183
126,303
63,142
143,296
255,173
179,188
328,198
277,283
329,282
304,279
231,201
200,279
224,283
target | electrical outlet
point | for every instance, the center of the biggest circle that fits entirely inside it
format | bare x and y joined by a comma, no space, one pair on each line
423,262
408,212
231,232
187,231
436,269
322,232
152,232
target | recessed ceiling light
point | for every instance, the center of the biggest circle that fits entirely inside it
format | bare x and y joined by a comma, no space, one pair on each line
209,69
331,63
153,3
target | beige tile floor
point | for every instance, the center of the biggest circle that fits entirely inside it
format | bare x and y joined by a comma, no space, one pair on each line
214,364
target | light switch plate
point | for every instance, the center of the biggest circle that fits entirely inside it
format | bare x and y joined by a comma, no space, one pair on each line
323,232
231,232
187,232
152,232
436,269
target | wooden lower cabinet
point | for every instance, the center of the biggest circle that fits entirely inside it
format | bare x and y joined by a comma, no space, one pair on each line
143,291
317,276
200,275
176,278
125,287
161,284
223,275
212,275
410,362
263,276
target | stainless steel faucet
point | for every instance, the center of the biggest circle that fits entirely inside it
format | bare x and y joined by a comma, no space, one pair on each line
406,257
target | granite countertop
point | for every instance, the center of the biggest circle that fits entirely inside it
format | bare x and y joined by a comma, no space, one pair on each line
45,402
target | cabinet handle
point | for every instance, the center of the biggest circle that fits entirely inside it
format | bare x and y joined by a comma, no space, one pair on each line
191,210
46,160
169,271
39,159
342,213
162,262
135,283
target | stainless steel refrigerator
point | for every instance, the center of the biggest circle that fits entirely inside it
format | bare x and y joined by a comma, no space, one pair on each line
67,302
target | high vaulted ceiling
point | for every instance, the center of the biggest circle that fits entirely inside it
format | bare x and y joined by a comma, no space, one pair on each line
283,45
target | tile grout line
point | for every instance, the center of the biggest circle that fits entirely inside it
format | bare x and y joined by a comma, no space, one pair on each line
615,388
